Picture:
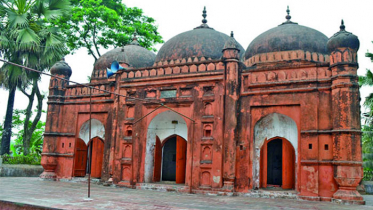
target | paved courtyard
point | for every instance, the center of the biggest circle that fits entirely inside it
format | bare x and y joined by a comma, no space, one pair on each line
70,195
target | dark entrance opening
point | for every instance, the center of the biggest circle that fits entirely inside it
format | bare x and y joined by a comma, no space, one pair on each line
274,162
169,160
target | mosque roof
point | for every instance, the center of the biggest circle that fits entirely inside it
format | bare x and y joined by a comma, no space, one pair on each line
202,41
288,36
133,54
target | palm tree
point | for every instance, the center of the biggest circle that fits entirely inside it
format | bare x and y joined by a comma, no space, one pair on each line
11,77
28,38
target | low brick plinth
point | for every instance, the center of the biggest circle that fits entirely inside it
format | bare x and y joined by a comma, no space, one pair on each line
18,170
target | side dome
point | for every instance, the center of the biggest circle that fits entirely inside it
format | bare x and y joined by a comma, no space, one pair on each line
132,54
202,41
61,68
289,36
343,39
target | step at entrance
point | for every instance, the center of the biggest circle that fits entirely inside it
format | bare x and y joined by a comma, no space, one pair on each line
163,187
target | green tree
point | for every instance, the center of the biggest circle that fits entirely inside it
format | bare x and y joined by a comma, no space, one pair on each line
102,23
28,38
367,127
36,141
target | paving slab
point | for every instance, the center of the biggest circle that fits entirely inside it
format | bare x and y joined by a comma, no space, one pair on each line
70,195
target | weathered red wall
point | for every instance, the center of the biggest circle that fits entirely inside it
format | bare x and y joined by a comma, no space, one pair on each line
230,99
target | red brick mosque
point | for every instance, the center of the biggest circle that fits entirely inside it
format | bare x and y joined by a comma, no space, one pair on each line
206,116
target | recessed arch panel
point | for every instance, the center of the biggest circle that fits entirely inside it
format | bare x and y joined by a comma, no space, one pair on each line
163,125
269,127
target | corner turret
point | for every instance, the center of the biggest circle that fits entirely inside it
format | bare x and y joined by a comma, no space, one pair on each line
343,39
62,71
343,47
57,88
231,48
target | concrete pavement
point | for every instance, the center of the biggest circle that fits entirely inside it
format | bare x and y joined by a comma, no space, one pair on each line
70,195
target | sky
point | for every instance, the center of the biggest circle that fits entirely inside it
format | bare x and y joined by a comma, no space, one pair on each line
246,18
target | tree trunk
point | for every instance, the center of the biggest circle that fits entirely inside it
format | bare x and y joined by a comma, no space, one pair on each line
29,129
7,133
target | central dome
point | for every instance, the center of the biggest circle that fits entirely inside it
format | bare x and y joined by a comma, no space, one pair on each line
203,41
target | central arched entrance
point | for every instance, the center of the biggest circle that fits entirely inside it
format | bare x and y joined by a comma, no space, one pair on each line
166,149
277,164
275,153
170,160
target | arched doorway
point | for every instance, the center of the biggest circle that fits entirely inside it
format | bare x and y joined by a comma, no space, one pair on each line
170,160
277,164
82,148
166,136
275,152
81,156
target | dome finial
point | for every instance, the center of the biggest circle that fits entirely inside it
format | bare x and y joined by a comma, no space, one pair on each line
342,27
231,33
288,17
134,36
134,39
204,15
204,21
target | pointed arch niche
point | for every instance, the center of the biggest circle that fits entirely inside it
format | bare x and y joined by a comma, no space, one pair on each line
97,129
161,127
283,129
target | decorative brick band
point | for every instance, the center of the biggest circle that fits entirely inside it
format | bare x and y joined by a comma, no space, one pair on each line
286,56
172,69
59,134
